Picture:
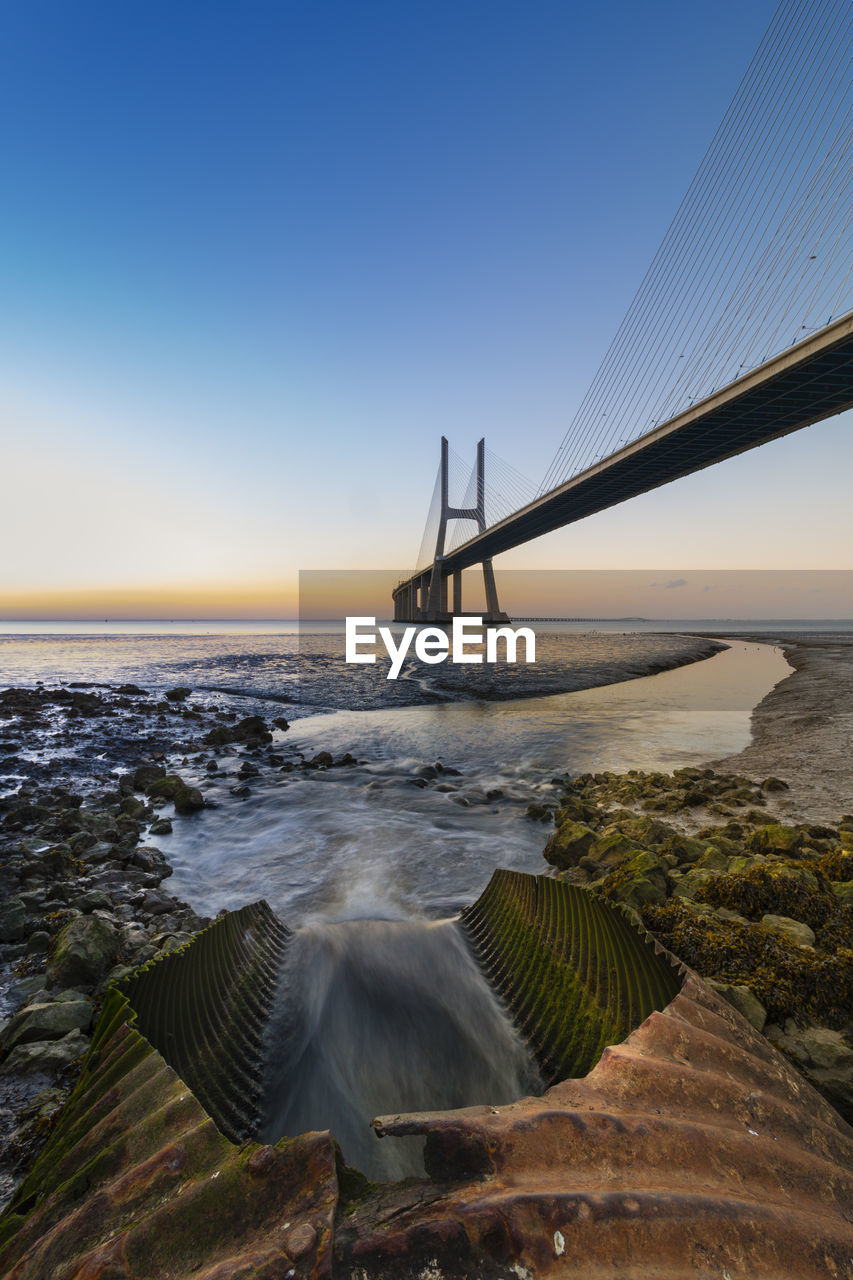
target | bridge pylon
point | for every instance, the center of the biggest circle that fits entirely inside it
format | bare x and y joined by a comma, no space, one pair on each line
425,596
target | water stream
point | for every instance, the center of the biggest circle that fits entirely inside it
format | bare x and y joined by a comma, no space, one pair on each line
379,1017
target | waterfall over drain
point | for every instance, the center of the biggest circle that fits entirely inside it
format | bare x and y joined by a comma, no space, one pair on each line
377,1017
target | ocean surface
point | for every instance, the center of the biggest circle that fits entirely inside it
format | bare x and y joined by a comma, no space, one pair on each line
387,837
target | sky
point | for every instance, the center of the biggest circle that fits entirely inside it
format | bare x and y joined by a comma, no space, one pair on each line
257,258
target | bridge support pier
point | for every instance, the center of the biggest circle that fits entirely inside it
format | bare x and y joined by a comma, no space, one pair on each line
424,597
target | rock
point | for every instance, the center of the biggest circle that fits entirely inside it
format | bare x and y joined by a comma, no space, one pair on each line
47,1022
178,694
25,988
48,1056
248,770
692,881
324,760
639,881
836,1086
281,723
612,850
95,900
13,918
186,799
151,860
86,949
131,807
827,1049
251,730
774,784
146,774
743,1000
775,838
160,827
38,942
241,791
535,812
569,843
713,859
785,927
843,890
788,1044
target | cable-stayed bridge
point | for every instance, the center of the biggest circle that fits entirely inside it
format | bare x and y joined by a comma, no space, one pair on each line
741,331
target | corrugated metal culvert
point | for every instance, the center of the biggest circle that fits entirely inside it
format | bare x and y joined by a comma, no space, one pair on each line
673,1141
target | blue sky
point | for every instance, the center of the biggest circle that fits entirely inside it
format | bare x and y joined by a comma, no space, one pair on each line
256,258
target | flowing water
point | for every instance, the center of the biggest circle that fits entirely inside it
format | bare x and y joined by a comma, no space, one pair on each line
378,1018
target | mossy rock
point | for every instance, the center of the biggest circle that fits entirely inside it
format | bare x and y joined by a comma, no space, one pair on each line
186,799
573,809
612,850
790,981
685,848
641,880
843,891
84,952
713,859
775,838
693,882
569,843
645,830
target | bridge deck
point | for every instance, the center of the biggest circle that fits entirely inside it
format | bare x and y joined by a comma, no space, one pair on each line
808,382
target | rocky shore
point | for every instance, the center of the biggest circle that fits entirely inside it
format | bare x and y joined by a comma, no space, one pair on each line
83,901
761,908
729,866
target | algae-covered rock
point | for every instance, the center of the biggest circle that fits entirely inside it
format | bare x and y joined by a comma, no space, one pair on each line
775,838
251,730
612,849
743,1000
640,881
713,859
793,929
186,799
843,891
693,881
86,949
569,843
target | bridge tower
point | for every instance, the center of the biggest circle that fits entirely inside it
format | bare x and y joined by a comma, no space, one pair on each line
424,597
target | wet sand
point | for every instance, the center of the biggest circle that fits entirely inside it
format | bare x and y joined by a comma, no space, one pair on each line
802,731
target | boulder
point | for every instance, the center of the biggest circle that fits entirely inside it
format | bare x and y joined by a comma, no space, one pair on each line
86,949
186,799
13,918
775,838
569,843
827,1049
49,1056
251,730
743,1000
47,1022
692,882
785,927
146,774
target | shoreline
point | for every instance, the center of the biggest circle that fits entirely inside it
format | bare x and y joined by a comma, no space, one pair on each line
803,729
80,865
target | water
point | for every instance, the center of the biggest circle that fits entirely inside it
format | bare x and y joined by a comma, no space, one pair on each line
368,839
378,1018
